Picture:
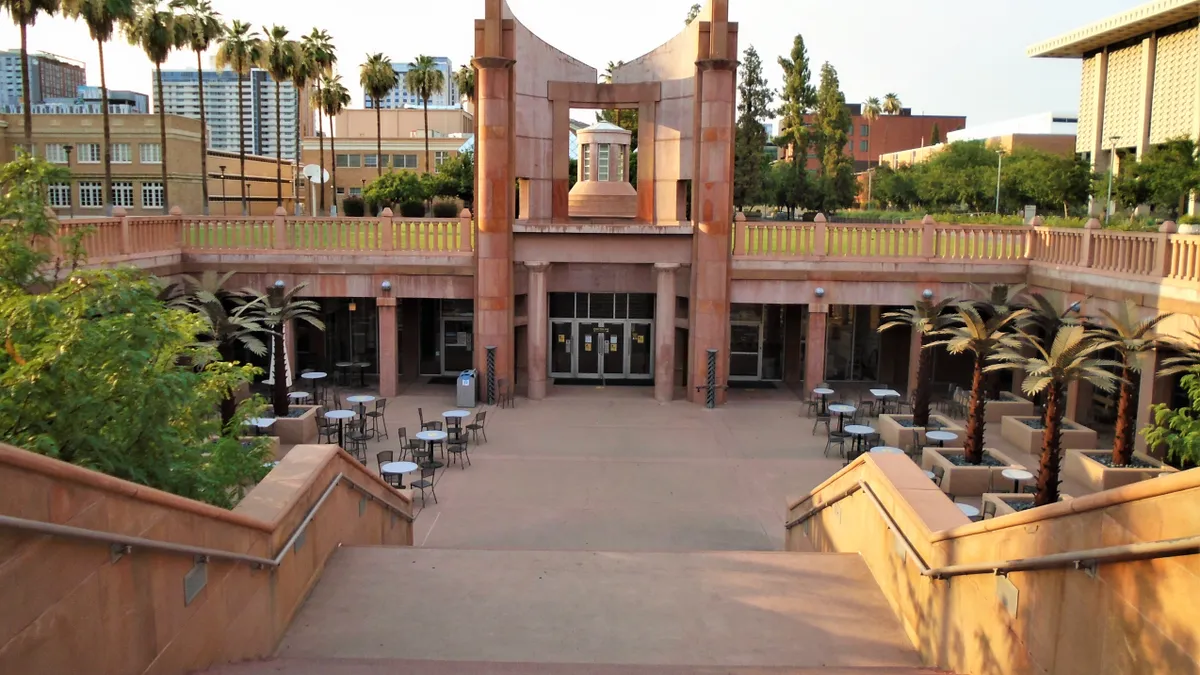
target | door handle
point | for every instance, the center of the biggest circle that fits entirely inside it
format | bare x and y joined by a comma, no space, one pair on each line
568,345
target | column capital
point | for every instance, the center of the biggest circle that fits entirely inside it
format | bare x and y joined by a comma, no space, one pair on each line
667,267
484,62
537,267
385,302
818,308
717,64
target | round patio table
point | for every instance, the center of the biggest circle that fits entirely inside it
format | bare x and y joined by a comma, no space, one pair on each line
362,400
341,416
859,432
398,469
887,450
260,423
454,419
299,396
842,410
941,437
343,367
1016,476
430,437
824,393
314,377
930,475
968,510
362,370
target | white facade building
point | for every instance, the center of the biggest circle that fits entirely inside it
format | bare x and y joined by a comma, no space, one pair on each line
181,96
1057,123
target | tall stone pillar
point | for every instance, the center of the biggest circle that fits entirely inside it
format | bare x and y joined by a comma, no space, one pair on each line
493,243
389,352
712,209
410,345
537,334
1151,390
1079,402
814,366
793,339
664,331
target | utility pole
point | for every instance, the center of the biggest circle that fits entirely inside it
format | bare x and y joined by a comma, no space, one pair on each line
1112,159
999,168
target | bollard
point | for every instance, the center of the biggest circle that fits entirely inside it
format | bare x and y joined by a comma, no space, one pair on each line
711,396
491,375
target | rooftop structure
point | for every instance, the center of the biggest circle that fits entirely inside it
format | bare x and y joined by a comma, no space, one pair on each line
1050,123
50,75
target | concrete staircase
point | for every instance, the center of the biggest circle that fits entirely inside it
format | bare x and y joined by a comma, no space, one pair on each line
488,612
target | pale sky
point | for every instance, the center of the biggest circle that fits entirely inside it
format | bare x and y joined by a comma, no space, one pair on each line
950,57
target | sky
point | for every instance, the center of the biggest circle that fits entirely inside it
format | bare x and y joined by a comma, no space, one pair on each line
948,57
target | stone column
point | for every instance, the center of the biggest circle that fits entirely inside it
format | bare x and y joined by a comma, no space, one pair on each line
1095,143
664,331
493,249
793,352
1146,100
410,346
537,334
389,352
814,363
1151,390
712,208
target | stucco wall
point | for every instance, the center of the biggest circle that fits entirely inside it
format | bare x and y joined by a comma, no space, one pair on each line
1176,81
70,608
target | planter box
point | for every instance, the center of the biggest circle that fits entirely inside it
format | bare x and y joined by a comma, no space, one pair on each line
273,446
1001,500
297,430
967,481
892,433
1075,436
1078,465
1010,405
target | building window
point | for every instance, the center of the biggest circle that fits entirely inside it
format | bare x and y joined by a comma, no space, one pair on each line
152,195
349,161
151,153
60,194
356,192
56,153
122,194
620,159
862,146
866,130
602,162
370,161
439,157
121,153
404,161
91,194
89,153
585,163
851,131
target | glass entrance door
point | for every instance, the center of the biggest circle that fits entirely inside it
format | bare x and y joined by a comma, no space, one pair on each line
745,351
641,345
613,342
562,348
587,355
610,350
457,345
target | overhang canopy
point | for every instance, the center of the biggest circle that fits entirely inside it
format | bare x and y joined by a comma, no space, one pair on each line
1137,21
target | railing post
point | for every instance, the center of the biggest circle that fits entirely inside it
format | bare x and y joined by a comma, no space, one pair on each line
928,236
465,230
1030,232
124,243
1085,251
177,216
1162,249
279,236
387,235
739,234
820,235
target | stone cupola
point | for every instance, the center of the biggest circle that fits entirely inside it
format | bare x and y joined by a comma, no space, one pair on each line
603,189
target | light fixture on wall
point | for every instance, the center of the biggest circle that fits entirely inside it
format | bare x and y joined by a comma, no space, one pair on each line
927,294
820,292
1075,307
279,284
386,286
353,306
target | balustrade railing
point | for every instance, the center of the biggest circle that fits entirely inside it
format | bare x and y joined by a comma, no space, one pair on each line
1058,247
980,243
219,233
1124,252
873,241
775,239
1183,258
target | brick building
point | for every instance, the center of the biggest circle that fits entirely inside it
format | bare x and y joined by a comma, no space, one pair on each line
889,133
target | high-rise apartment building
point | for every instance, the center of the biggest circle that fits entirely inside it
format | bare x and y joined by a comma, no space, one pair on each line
181,96
401,96
50,76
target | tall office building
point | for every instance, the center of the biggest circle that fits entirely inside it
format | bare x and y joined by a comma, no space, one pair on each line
401,96
50,76
181,96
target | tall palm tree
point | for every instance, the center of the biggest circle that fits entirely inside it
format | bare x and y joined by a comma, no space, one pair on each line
276,309
25,13
892,104
1070,358
1131,337
278,58
924,318
197,27
464,80
870,111
968,331
153,29
318,47
425,79
334,100
240,50
377,78
102,18
302,72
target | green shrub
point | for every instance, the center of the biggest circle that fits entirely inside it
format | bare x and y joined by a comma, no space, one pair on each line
412,209
354,207
1189,220
443,208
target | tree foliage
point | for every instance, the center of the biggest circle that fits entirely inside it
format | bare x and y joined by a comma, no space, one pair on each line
1178,430
838,187
796,100
1163,178
750,143
397,188
693,12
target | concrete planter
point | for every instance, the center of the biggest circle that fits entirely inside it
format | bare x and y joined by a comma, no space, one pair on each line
892,433
1075,436
967,481
1081,466
300,430
1001,500
1009,405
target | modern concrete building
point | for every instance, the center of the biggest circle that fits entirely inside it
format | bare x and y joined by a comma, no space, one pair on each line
401,97
88,100
888,133
50,76
1059,144
181,96
1050,123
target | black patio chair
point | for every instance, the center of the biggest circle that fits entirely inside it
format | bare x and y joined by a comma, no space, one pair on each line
478,426
425,481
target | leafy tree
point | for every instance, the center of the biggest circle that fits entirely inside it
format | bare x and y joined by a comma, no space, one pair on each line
276,309
153,29
29,230
935,136
424,79
896,187
788,186
796,100
197,27
892,104
240,50
870,111
396,187
279,57
1171,172
1178,430
319,51
692,14
334,100
456,178
923,318
1071,357
832,121
377,78
750,144
24,13
1132,338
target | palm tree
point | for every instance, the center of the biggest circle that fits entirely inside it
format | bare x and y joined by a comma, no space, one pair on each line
102,17
240,49
464,79
425,79
302,72
377,78
1131,337
1070,358
198,26
278,58
275,310
968,331
318,47
334,100
24,13
892,104
870,111
153,29
231,320
924,318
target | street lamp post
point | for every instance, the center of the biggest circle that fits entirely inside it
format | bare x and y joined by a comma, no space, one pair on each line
999,168
224,207
1112,159
70,182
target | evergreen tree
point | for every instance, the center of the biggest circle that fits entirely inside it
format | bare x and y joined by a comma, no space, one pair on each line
754,102
936,136
832,122
798,98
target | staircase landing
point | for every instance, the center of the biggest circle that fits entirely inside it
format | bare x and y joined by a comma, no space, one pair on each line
721,610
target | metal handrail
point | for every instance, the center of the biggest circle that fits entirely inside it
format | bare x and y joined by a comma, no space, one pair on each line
823,505
1086,559
895,528
127,543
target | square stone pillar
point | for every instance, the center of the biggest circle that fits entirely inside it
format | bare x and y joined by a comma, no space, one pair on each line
664,331
1079,402
389,352
410,345
537,335
814,365
793,341
1151,390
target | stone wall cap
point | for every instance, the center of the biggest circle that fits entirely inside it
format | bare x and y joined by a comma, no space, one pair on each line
1092,224
386,212
739,217
1168,227
820,218
928,220
280,211
119,212
176,211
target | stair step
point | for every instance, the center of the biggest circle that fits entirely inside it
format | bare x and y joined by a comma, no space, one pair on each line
723,610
